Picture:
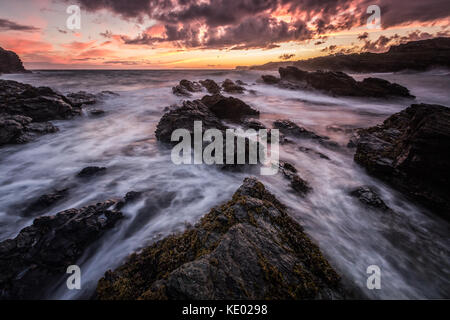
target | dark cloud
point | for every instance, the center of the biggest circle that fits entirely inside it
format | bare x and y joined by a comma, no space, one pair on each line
8,25
247,24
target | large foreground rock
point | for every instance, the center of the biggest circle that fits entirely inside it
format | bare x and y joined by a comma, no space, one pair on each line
229,107
10,62
340,84
248,248
39,256
17,129
411,150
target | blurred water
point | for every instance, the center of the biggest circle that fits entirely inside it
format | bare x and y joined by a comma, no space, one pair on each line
410,247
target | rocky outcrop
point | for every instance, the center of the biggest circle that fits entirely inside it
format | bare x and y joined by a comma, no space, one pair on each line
231,87
341,84
25,110
40,254
211,86
269,79
289,128
10,62
411,150
248,248
229,107
46,201
186,87
38,103
82,97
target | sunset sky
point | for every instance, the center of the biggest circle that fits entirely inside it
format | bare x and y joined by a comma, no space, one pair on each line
151,34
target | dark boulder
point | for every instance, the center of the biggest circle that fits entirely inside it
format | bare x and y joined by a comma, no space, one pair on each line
299,185
82,97
46,201
228,107
39,256
186,87
247,248
211,86
10,62
91,171
231,87
411,150
340,84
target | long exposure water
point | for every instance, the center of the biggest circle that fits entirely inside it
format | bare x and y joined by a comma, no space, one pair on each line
410,246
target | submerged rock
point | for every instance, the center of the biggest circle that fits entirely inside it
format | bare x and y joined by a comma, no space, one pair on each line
39,256
340,84
186,87
211,86
231,87
248,248
46,201
299,185
411,150
369,197
229,107
91,171
82,97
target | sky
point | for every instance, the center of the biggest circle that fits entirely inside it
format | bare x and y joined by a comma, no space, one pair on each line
213,34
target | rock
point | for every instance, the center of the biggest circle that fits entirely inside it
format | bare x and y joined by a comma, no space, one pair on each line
46,201
91,171
39,256
298,184
343,128
230,87
184,117
289,128
211,86
241,83
82,97
317,153
253,124
369,197
247,248
229,107
40,104
16,129
185,87
340,84
10,62
270,79
411,150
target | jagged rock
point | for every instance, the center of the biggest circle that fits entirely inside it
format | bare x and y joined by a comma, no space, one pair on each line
253,124
301,186
369,197
46,201
411,150
180,91
241,83
91,171
40,254
248,248
10,62
317,153
40,104
211,86
269,79
82,97
228,107
289,128
343,128
16,129
230,87
341,84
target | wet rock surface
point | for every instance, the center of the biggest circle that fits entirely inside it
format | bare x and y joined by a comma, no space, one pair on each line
46,201
411,150
337,83
186,87
298,184
248,248
369,197
82,97
40,254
